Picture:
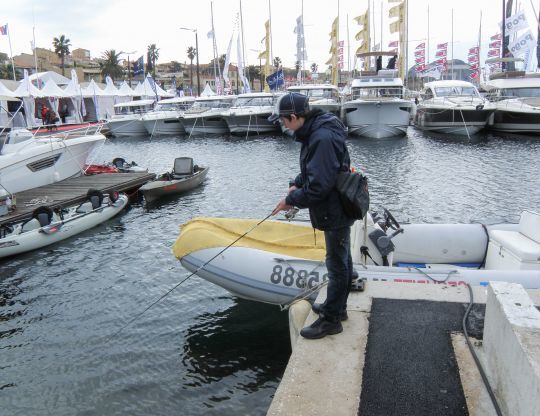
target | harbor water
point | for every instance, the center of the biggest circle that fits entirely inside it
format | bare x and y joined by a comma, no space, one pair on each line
200,350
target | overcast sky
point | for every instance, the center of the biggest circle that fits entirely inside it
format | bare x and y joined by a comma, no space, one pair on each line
99,25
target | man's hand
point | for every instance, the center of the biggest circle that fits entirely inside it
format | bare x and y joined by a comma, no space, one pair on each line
281,206
292,189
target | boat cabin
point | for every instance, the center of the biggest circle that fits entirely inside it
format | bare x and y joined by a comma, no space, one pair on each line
215,101
175,104
255,100
379,86
133,107
317,91
449,88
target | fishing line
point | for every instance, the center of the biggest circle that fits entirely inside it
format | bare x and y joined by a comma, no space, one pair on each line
191,274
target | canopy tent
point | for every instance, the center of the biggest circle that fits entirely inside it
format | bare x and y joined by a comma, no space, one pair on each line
125,90
53,93
207,92
28,93
114,92
6,95
150,90
49,76
75,102
99,104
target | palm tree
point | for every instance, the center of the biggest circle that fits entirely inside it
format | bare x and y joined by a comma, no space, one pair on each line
110,64
61,48
191,53
277,62
153,56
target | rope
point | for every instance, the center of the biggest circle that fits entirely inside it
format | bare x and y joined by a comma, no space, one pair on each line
182,281
465,124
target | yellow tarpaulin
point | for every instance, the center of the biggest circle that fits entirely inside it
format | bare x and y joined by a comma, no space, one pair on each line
273,236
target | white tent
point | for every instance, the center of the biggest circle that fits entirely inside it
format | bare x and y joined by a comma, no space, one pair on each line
125,90
150,90
73,90
48,76
53,93
5,95
207,92
28,93
98,104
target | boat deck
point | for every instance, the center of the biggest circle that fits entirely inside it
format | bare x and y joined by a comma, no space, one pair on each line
72,191
402,352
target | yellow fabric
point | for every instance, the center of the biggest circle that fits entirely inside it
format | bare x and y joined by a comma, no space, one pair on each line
396,11
273,236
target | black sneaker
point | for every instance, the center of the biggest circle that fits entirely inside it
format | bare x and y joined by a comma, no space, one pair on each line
321,328
317,308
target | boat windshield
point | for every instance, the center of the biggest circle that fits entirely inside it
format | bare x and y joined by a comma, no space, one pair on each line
318,94
173,106
212,104
136,109
520,92
254,101
455,91
393,92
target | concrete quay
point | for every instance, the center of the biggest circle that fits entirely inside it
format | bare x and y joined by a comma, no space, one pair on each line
402,351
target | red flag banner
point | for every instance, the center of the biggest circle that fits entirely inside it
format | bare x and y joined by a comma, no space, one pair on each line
494,52
495,44
441,61
420,53
496,37
474,75
393,44
420,68
419,60
474,66
473,50
472,59
442,45
421,46
440,53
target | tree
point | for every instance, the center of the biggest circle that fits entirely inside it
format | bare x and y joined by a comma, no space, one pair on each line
314,67
277,62
6,71
110,64
61,48
176,66
153,56
191,53
253,73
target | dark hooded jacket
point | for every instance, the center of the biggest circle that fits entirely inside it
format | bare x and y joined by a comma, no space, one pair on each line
323,155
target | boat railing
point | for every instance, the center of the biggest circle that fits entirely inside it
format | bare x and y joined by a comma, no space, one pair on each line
78,132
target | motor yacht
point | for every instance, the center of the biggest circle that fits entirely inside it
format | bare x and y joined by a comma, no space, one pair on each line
323,96
377,108
207,116
516,96
250,112
28,161
164,119
452,107
127,118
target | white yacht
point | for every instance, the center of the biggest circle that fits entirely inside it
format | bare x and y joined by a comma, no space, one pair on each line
27,161
207,115
127,118
377,108
250,112
516,96
164,119
323,96
452,107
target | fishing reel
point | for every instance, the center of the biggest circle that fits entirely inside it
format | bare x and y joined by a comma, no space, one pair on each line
291,213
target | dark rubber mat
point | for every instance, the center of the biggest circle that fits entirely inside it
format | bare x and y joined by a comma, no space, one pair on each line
410,364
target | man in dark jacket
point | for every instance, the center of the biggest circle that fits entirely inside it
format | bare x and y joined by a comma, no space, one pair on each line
323,155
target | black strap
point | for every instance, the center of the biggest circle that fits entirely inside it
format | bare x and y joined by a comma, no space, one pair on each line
365,251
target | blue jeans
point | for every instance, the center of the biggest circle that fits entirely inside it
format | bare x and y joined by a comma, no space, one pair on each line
339,266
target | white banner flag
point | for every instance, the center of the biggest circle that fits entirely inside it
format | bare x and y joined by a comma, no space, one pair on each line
514,23
226,65
523,44
245,82
432,73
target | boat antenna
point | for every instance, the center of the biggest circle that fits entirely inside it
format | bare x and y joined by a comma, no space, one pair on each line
182,281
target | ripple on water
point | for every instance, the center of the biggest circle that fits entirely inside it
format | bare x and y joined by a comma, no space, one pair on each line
200,350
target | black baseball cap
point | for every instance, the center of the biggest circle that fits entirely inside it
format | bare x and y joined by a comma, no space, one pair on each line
290,103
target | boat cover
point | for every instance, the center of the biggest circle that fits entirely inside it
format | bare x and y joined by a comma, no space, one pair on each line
273,236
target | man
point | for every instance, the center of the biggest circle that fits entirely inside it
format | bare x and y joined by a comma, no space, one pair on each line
323,155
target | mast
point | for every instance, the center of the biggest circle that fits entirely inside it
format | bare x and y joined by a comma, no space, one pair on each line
34,40
271,43
303,45
214,41
348,49
427,44
452,43
243,43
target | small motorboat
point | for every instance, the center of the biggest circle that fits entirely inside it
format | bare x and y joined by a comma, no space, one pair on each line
48,226
184,177
279,261
118,165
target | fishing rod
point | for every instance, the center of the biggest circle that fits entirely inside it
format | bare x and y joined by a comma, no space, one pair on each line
190,275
